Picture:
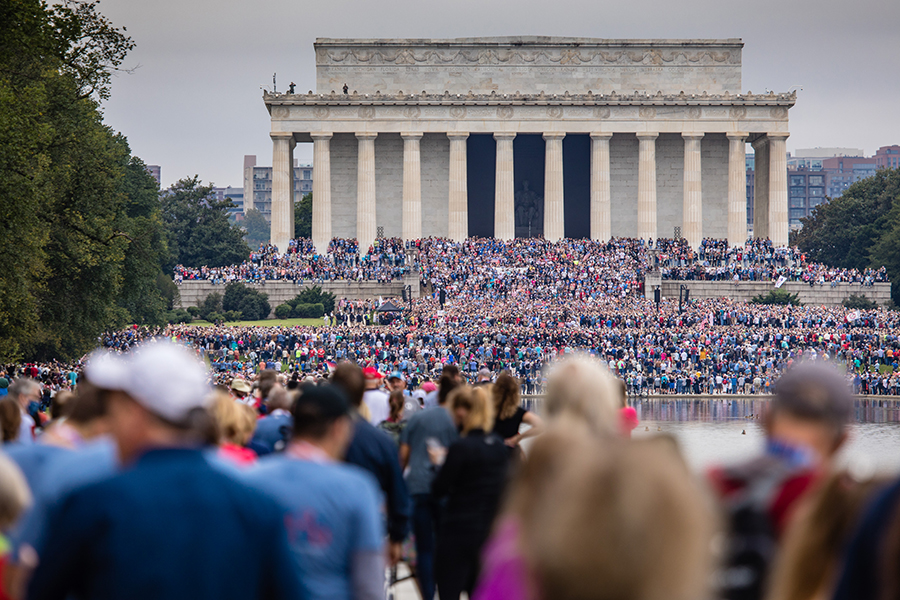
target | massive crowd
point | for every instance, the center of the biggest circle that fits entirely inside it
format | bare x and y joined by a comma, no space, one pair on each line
225,462
149,482
617,265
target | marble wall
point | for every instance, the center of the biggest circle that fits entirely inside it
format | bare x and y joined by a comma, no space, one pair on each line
529,64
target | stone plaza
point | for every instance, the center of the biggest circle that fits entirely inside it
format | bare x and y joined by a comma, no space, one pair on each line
531,136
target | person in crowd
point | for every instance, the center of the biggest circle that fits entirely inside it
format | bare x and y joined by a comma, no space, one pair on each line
170,525
805,427
332,508
581,402
619,520
240,389
11,421
234,430
15,498
807,566
375,452
375,398
431,427
395,422
509,413
75,453
274,430
871,560
25,391
472,479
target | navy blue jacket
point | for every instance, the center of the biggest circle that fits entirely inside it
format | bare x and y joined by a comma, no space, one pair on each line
374,451
171,527
270,431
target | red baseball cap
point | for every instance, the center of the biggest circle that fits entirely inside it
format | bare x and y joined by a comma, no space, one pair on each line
372,373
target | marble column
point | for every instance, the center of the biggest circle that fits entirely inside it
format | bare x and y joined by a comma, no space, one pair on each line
737,189
504,201
601,211
459,195
282,189
692,211
554,203
778,192
321,192
412,187
646,205
761,187
365,191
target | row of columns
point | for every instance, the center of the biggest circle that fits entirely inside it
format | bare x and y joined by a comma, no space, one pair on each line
770,200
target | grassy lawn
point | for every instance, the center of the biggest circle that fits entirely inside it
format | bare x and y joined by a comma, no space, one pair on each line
268,323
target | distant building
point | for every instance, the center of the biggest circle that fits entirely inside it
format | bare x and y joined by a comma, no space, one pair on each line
154,171
258,185
816,174
236,195
844,171
887,157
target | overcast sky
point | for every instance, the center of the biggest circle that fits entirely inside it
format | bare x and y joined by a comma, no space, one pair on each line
194,103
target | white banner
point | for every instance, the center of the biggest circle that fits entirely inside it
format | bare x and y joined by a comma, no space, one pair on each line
780,282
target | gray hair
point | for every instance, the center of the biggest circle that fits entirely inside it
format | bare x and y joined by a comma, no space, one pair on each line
23,386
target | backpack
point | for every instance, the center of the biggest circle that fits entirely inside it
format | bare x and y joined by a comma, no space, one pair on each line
752,543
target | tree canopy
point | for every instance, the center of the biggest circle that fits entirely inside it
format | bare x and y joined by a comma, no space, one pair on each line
858,230
303,217
81,237
197,227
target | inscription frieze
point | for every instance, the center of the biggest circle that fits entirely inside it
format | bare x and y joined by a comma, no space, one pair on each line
536,56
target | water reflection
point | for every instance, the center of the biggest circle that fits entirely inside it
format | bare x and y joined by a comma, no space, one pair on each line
730,409
716,431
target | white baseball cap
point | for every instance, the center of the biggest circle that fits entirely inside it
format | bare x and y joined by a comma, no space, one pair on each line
163,377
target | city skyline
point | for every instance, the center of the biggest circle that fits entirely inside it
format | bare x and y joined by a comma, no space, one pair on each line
194,103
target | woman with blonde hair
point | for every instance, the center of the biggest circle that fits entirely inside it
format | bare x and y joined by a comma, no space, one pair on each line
582,403
510,414
472,480
236,423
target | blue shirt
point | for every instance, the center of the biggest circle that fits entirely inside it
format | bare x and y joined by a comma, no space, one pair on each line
171,526
332,513
270,431
429,423
374,451
63,472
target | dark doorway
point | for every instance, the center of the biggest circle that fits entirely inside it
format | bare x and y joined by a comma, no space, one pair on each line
528,183
577,185
481,158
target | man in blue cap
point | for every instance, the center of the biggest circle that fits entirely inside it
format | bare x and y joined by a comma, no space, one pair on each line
170,525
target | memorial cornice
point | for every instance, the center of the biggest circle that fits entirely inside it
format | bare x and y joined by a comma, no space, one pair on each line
526,51
516,99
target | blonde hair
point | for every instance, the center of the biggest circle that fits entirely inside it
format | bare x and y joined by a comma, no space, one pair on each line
15,496
582,394
477,401
235,421
610,510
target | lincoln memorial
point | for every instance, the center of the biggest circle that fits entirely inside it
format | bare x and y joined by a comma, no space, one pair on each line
531,136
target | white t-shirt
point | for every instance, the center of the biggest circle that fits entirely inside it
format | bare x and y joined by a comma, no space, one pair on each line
379,406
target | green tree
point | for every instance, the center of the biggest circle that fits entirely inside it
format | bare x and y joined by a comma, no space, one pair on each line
303,217
252,304
75,221
860,229
197,227
777,297
256,227
315,295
